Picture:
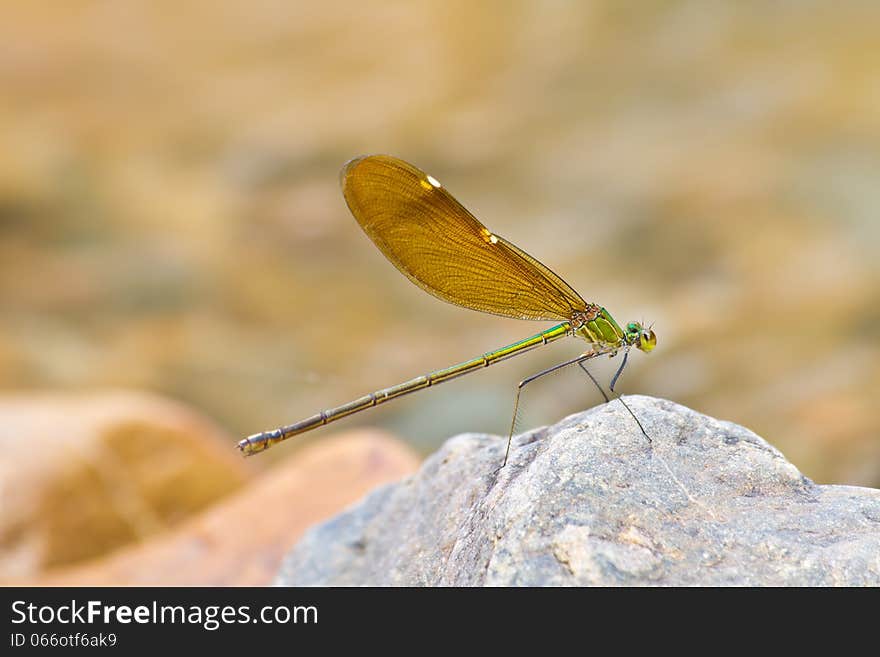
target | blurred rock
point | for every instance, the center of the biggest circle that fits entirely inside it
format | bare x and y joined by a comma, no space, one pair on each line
243,539
590,502
81,475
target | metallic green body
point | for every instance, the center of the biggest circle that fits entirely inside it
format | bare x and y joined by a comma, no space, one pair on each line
602,331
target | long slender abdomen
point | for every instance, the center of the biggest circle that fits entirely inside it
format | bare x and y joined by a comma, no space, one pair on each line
263,441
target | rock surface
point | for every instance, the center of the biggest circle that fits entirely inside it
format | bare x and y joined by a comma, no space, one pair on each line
241,540
590,501
82,474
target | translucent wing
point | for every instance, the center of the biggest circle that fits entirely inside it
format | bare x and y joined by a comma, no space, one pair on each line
441,247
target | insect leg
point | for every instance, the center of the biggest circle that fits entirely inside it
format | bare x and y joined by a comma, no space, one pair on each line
534,377
619,397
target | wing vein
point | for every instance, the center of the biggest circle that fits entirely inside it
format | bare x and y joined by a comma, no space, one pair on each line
441,247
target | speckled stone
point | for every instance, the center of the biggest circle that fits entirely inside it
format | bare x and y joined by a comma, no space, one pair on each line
589,501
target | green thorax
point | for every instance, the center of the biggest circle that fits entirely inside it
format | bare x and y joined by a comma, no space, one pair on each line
601,330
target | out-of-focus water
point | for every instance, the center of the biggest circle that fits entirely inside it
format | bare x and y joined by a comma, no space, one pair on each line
170,217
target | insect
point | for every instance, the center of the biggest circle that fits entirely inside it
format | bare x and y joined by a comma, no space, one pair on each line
441,247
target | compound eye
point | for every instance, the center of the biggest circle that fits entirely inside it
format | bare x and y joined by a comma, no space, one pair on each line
647,340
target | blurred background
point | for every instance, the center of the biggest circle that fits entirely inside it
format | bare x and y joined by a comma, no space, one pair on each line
171,220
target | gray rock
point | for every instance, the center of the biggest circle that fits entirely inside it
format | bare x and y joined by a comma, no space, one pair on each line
590,501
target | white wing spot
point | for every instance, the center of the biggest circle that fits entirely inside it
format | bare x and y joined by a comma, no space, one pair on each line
433,181
489,237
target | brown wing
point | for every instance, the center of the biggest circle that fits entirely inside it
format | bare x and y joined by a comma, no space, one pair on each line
441,247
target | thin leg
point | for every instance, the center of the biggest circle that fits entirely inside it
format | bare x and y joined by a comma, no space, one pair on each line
534,377
619,371
593,379
619,397
644,433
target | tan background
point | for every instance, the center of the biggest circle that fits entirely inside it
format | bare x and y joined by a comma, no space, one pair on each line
170,218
